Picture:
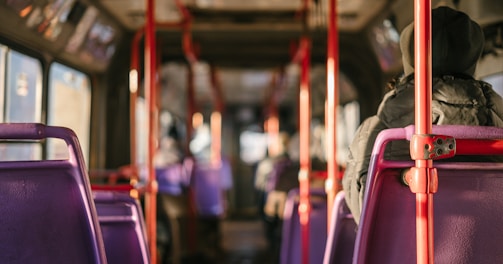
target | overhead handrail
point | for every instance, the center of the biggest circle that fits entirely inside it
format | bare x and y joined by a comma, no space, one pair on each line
135,76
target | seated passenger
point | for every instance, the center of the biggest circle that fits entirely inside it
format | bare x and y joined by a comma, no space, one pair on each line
457,98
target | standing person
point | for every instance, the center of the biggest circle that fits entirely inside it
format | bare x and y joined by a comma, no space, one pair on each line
457,98
266,177
173,175
265,170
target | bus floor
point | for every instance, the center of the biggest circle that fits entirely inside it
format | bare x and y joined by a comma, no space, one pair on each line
244,242
233,240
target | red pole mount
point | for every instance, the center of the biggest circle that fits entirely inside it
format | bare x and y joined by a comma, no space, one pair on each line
152,187
428,147
420,184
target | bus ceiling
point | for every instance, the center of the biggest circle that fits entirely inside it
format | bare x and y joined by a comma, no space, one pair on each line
262,34
254,14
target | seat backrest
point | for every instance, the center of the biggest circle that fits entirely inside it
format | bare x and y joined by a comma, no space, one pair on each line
342,234
47,214
468,206
291,231
208,190
123,228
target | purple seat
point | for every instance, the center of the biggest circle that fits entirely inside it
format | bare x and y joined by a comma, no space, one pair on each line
342,235
47,214
291,233
468,206
209,182
123,228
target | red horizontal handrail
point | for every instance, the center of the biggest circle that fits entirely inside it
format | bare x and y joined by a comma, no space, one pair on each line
479,146
119,187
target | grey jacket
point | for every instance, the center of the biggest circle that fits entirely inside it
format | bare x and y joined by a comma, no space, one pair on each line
455,100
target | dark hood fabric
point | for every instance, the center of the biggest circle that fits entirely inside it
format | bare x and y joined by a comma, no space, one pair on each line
457,43
454,101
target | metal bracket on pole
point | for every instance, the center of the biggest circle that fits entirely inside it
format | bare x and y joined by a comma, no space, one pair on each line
423,147
428,147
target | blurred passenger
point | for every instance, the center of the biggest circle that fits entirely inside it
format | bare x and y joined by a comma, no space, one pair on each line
211,179
457,98
173,176
265,178
285,177
265,168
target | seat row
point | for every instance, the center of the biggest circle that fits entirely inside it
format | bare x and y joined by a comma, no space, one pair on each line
468,208
49,214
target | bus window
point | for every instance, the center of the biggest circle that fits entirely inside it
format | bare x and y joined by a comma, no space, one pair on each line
348,120
384,39
496,80
201,143
22,99
99,42
21,7
69,105
23,90
253,145
348,117
141,136
3,50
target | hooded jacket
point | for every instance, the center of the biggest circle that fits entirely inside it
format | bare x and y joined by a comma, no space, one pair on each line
457,98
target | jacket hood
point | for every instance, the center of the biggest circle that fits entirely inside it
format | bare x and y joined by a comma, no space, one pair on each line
457,43
454,101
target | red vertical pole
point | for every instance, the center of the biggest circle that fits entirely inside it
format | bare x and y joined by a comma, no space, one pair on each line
304,134
422,62
151,100
332,186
